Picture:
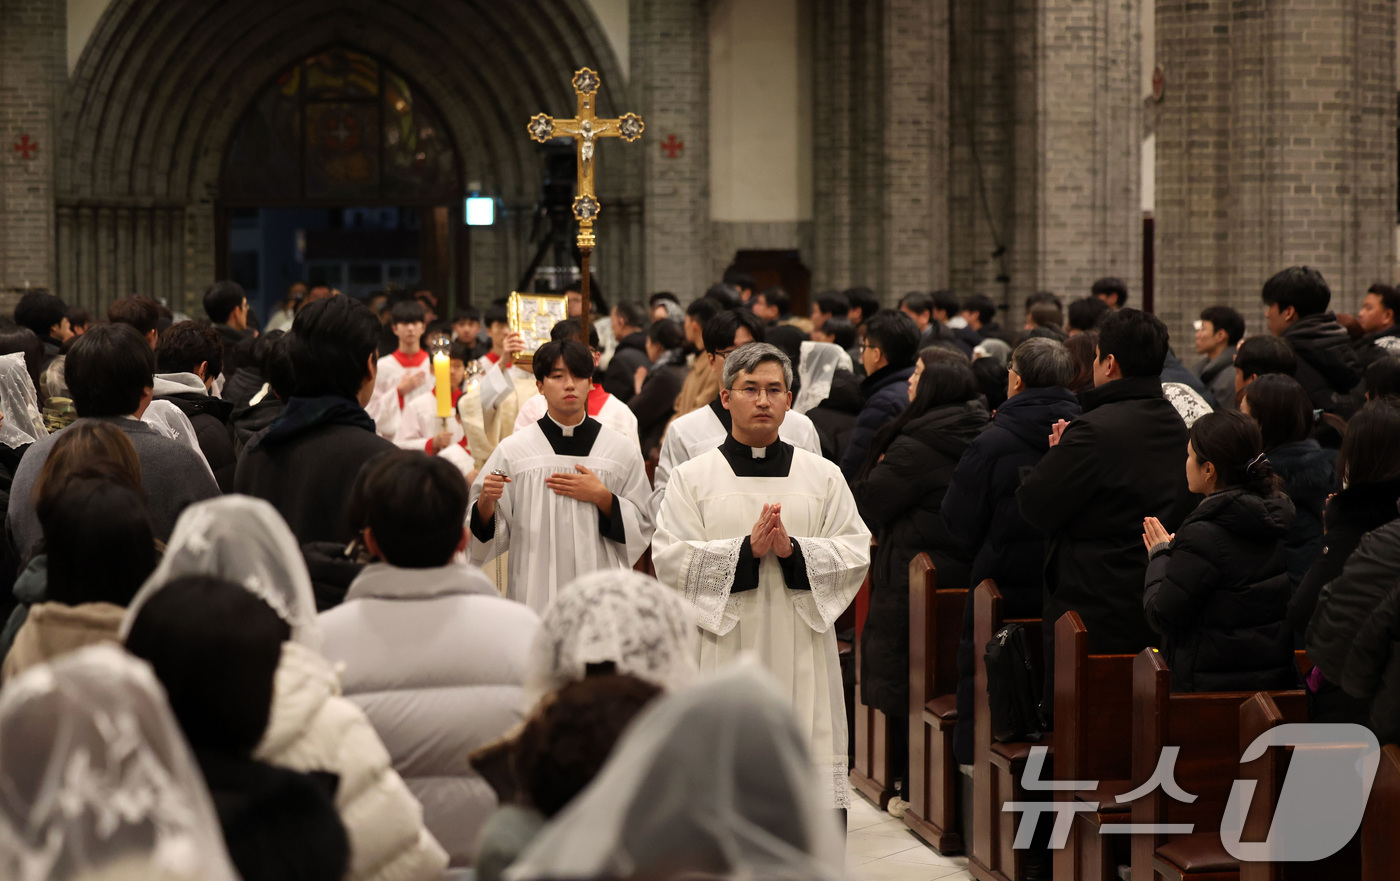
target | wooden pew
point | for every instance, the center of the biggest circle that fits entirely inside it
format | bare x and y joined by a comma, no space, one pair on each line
872,775
1093,741
935,628
1206,728
997,767
1380,845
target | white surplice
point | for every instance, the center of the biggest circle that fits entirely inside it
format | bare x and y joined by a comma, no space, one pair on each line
613,413
384,405
552,538
700,549
700,431
419,424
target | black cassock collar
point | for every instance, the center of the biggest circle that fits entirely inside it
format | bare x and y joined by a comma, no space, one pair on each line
579,441
776,460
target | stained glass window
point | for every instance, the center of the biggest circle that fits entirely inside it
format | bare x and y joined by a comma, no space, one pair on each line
341,127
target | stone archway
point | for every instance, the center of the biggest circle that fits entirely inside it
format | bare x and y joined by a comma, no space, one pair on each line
162,83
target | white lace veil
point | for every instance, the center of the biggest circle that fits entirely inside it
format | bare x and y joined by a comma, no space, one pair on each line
711,782
23,423
170,421
817,364
243,540
639,624
96,778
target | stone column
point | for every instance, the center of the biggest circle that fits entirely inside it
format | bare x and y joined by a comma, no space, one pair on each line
1276,145
1088,175
33,57
670,85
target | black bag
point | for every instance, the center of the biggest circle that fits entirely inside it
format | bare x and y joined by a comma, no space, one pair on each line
1013,686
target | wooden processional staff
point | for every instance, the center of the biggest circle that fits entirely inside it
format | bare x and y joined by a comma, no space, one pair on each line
583,128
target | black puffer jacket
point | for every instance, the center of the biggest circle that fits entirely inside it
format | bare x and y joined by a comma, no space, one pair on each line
835,418
900,501
1353,634
209,416
1218,595
886,394
1351,513
1309,476
1327,365
1383,343
619,380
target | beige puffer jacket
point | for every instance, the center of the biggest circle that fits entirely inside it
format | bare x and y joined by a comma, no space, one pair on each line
313,728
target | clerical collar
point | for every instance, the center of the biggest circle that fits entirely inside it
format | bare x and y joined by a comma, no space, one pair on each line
568,430
774,460
570,440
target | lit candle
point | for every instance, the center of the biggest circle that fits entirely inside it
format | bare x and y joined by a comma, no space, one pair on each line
442,374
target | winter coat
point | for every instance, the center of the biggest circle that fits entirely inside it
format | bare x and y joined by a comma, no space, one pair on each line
31,588
1352,635
886,393
172,475
1218,374
242,385
1218,595
306,463
980,510
835,418
900,499
1351,513
1383,343
209,416
255,416
54,629
279,825
631,353
701,386
980,507
332,571
655,404
1122,460
1174,371
238,351
313,728
458,690
1327,365
1308,476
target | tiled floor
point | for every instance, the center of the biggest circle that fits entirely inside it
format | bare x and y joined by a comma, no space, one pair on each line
881,848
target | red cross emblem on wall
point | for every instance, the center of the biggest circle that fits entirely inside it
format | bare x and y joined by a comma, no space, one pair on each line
672,146
26,148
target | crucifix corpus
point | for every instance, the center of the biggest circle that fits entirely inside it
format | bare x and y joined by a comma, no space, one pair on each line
584,128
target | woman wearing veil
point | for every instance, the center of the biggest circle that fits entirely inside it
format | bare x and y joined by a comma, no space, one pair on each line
311,727
99,784
713,781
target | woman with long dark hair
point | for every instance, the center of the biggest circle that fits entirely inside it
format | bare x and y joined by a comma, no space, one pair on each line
899,492
1217,591
1286,421
1369,468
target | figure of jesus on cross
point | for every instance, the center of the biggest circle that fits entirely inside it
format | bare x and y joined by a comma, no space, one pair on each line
584,128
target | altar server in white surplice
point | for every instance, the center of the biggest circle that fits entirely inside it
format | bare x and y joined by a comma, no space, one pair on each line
764,540
573,497
702,430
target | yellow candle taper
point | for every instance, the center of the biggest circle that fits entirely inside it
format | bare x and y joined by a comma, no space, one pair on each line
442,374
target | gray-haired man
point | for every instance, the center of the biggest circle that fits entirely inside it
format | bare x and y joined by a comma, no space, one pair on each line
764,540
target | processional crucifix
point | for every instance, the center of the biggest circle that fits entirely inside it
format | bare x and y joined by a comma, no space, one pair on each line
584,128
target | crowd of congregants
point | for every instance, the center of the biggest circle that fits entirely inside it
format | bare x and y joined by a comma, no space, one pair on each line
286,600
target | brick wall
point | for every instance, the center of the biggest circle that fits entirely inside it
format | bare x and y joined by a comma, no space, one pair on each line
1275,146
32,65
670,50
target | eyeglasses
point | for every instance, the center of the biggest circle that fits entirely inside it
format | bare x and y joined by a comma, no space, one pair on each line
753,394
725,353
863,345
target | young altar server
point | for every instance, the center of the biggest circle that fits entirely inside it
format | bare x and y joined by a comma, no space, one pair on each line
405,374
567,495
601,405
764,540
420,427
702,430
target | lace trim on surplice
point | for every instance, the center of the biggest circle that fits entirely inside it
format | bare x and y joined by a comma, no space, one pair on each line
824,603
708,581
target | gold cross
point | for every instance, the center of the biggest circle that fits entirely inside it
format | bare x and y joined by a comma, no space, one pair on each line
584,128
